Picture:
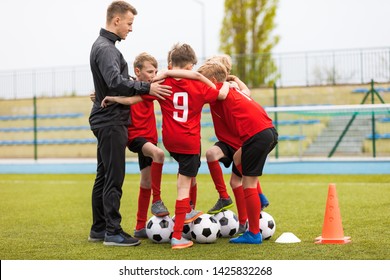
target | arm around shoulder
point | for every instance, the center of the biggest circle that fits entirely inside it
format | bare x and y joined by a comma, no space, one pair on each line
223,92
109,100
241,85
186,74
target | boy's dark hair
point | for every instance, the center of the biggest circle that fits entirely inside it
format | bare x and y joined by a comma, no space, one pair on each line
119,8
182,55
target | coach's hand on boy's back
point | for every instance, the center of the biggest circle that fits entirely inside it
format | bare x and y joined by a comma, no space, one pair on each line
160,91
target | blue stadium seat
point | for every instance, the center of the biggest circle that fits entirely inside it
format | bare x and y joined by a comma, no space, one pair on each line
44,128
384,120
280,138
207,124
297,122
48,142
41,116
360,90
379,136
291,137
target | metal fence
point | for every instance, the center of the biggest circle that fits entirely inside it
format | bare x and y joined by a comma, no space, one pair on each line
354,66
336,67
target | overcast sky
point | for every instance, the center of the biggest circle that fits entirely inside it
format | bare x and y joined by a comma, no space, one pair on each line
51,33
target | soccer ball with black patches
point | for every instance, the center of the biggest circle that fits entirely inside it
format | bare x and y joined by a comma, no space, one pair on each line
187,228
186,233
229,223
159,229
205,229
267,225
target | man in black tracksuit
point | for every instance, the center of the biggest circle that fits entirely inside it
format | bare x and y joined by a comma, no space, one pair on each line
109,125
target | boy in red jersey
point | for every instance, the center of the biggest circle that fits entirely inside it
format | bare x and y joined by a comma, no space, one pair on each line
223,152
181,132
247,119
143,141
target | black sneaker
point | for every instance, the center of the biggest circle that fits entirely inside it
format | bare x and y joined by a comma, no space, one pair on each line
96,236
140,233
221,205
159,209
121,239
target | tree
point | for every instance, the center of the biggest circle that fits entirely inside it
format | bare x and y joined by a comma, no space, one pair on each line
246,35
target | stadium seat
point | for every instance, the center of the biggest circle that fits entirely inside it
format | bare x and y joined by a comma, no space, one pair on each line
280,138
297,122
48,142
379,136
44,128
41,116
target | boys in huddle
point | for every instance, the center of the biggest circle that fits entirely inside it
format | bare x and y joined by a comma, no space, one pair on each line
250,136
181,130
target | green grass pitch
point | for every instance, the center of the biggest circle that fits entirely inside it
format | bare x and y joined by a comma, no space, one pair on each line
48,217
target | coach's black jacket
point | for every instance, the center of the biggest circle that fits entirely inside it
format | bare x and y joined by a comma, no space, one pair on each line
111,77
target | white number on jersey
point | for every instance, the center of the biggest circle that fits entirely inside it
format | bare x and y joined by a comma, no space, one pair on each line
181,115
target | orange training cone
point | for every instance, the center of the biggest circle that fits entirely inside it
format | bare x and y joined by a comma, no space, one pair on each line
332,230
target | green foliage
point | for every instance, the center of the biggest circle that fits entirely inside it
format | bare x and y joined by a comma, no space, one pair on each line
48,217
246,35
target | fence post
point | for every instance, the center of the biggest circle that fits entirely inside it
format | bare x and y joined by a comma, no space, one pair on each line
35,128
373,120
307,69
15,85
276,119
361,67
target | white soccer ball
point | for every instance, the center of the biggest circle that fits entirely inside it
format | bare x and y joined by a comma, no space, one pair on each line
267,225
205,229
228,221
159,229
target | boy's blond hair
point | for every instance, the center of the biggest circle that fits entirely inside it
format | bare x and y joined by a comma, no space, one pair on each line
181,55
213,69
142,58
225,59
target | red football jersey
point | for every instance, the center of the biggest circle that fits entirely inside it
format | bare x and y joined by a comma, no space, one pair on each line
143,122
181,113
222,131
243,117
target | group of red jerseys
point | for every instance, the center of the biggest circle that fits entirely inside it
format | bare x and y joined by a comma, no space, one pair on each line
236,119
181,113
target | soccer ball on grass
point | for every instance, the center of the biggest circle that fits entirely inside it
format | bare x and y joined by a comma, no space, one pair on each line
205,229
267,225
159,229
228,221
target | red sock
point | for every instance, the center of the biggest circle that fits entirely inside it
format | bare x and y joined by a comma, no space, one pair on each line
217,176
156,173
240,203
253,209
259,190
143,206
180,215
193,194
